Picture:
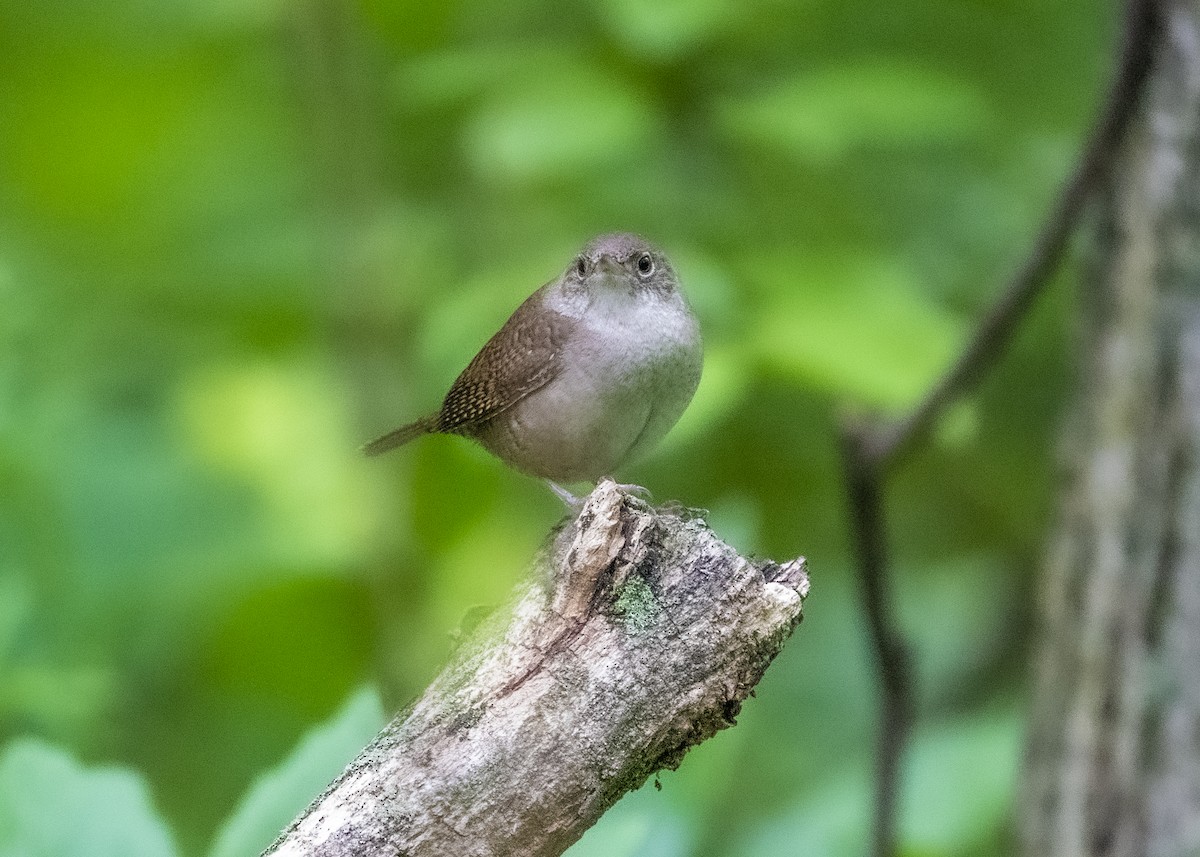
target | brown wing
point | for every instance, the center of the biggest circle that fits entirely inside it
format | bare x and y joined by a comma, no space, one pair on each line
522,356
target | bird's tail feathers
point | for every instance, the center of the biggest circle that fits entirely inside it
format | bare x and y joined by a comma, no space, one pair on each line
400,436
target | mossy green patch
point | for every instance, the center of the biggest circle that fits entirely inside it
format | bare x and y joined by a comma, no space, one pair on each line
636,604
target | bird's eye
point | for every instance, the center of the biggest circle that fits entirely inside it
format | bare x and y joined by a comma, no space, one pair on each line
645,264
581,266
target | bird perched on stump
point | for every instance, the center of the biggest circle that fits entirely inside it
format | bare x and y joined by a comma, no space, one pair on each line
588,373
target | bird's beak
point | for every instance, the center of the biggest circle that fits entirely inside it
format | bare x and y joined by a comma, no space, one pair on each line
608,265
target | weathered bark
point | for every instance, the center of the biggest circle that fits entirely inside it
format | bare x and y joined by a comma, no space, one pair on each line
1113,763
639,637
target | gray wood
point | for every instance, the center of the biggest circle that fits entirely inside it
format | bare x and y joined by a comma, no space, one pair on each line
638,636
1113,756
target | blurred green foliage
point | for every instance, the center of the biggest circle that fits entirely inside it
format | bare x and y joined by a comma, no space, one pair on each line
239,238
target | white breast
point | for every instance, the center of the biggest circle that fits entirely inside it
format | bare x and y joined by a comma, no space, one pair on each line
627,376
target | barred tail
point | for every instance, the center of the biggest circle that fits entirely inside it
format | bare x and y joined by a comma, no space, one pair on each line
400,436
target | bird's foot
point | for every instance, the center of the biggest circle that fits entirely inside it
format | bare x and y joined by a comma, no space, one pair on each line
639,491
575,503
636,490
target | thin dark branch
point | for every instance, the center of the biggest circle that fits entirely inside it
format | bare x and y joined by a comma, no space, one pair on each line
995,331
869,449
892,659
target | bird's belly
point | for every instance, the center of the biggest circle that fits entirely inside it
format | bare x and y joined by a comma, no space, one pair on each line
601,411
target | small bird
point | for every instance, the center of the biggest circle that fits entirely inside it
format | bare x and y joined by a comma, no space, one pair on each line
587,374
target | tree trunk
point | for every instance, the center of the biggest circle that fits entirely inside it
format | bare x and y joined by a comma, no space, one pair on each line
1113,756
639,636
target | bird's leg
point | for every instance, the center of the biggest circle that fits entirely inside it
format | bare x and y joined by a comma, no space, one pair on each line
572,502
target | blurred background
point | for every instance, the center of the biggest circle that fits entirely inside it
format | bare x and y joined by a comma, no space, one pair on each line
237,239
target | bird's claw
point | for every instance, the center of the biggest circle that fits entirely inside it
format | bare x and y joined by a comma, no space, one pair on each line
636,490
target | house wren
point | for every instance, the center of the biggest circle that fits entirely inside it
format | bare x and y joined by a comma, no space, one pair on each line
588,373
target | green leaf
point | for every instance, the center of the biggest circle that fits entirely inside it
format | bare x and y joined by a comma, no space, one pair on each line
853,326
280,427
51,806
664,30
280,794
438,79
564,120
832,820
638,826
957,790
820,116
973,600
310,639
959,782
16,610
